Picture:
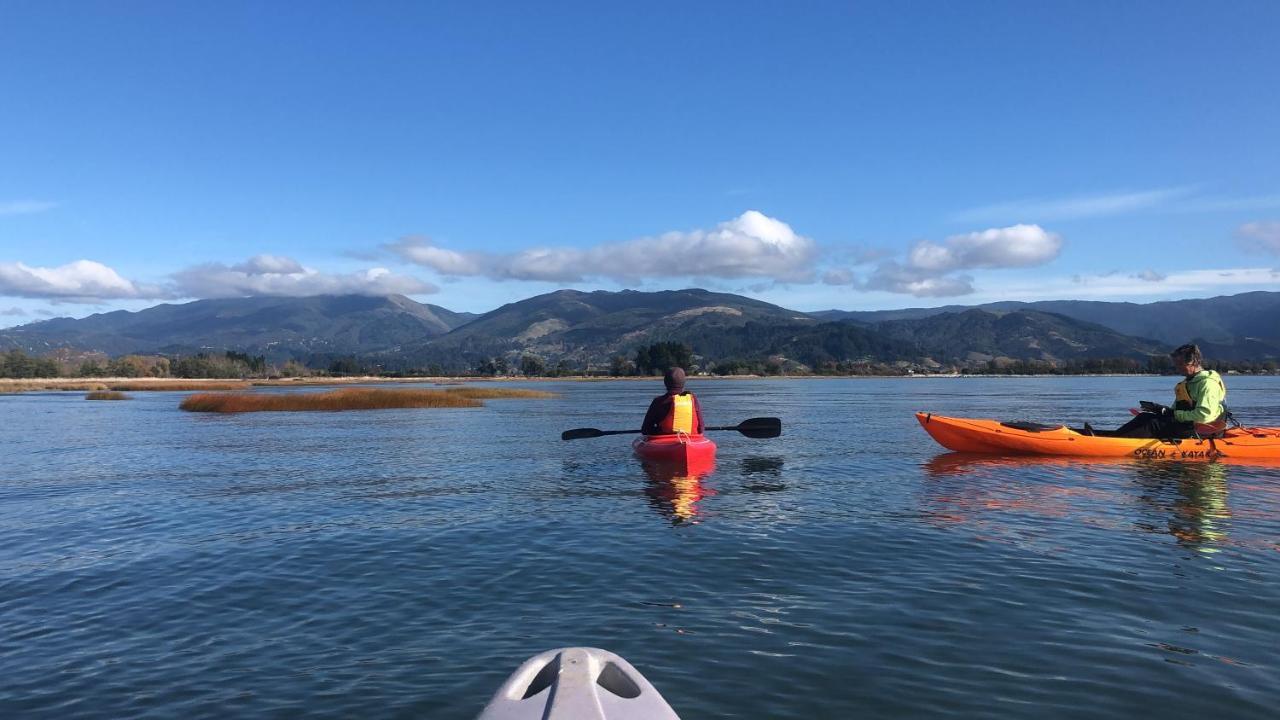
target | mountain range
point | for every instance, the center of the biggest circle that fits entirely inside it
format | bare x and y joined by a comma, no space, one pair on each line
1237,327
584,330
278,327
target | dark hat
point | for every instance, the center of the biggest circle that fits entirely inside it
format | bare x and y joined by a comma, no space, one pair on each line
673,379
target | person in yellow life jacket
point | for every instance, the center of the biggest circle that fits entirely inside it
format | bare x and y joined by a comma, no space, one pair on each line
1197,408
677,411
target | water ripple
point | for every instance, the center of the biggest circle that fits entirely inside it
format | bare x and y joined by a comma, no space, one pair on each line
156,564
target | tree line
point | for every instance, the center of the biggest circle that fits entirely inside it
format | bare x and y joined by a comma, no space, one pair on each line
230,364
651,359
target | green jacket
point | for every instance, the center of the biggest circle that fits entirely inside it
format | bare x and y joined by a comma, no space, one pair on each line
1198,399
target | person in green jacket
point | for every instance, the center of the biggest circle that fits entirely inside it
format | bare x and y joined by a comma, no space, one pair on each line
1197,409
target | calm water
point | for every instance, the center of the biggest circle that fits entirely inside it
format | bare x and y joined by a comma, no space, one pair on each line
155,563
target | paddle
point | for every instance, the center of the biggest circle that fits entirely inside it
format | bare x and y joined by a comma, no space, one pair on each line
761,427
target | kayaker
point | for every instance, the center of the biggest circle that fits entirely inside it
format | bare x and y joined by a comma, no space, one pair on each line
1197,409
677,411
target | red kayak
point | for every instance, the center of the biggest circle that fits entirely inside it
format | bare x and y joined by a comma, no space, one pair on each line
689,451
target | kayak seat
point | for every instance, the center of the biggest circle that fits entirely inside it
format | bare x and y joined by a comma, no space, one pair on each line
613,679
544,679
1030,426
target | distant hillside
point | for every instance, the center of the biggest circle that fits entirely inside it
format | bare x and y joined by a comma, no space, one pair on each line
280,328
811,345
975,335
1244,326
591,327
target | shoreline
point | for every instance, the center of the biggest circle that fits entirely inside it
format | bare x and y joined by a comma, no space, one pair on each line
20,385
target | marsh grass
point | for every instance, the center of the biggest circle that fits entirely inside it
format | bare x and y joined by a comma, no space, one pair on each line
21,386
139,385
106,395
334,400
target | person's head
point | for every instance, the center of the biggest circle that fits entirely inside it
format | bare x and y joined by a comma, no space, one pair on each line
1187,357
674,380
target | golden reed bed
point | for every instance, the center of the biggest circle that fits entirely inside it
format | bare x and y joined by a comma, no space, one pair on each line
105,395
142,385
495,393
350,399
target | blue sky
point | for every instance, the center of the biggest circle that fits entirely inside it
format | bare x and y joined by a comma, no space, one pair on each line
816,155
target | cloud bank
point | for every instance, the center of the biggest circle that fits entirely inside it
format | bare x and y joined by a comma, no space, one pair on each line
79,280
284,276
751,245
1110,285
90,281
937,269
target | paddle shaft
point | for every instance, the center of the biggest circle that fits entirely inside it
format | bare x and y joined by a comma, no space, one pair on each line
763,427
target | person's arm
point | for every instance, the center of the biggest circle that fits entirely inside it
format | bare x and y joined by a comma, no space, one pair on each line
1208,395
697,412
652,417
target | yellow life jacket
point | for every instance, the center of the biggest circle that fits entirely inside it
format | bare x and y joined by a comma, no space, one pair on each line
680,419
682,413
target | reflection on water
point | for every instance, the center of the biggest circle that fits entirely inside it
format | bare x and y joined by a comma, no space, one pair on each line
1192,496
1187,500
762,474
771,466
991,494
156,564
675,491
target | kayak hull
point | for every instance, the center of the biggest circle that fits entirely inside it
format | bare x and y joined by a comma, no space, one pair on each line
691,452
970,435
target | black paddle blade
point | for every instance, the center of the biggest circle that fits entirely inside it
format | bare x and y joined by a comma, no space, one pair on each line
580,433
763,427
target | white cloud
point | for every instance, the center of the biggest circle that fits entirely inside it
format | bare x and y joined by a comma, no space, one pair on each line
446,262
1191,283
936,269
895,278
1072,208
283,276
13,312
1149,276
839,276
751,245
1016,246
269,264
79,280
25,207
1260,236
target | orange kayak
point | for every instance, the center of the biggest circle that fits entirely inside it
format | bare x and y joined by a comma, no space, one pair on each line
996,438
